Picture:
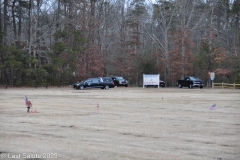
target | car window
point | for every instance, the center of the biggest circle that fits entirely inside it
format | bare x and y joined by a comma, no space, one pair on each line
88,81
193,78
120,78
107,79
95,80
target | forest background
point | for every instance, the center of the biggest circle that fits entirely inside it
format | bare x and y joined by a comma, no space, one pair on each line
58,42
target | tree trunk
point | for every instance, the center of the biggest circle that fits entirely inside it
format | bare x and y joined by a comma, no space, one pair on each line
20,23
14,21
91,22
30,28
5,22
1,44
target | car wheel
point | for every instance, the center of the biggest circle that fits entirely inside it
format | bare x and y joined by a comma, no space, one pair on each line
126,85
201,87
81,87
190,86
163,85
106,87
180,85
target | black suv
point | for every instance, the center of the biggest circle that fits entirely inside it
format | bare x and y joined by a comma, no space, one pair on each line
190,82
99,82
119,81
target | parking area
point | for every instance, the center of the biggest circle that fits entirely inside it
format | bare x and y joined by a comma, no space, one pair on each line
130,123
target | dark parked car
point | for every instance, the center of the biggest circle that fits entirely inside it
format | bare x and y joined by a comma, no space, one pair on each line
190,82
99,82
75,84
119,81
161,84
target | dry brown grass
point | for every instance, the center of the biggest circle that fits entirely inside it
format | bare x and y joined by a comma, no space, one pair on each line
132,123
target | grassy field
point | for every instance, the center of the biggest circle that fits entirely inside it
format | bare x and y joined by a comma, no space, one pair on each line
131,123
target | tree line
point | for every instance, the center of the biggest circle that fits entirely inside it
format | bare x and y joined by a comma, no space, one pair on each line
60,42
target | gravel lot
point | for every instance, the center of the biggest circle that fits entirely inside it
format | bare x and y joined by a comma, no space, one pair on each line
132,123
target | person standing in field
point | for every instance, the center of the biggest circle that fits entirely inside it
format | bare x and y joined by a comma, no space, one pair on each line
28,104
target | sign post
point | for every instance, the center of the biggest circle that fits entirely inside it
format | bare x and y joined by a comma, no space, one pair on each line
209,79
212,76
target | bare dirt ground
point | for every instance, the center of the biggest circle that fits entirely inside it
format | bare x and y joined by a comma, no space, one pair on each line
132,123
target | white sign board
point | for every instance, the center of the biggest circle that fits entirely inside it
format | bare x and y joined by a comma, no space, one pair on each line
212,75
151,79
